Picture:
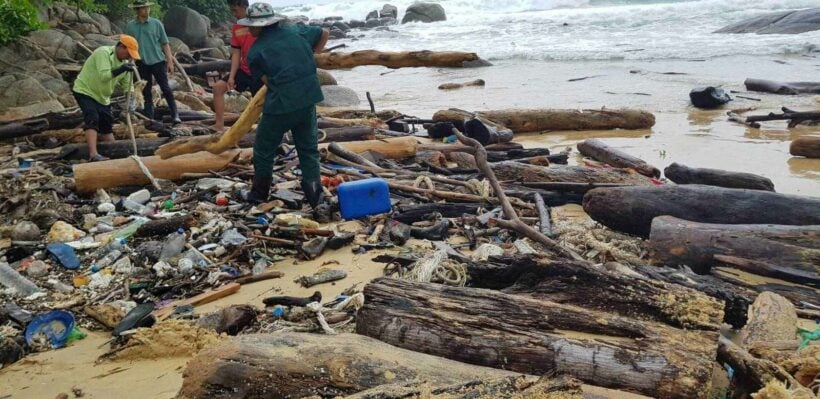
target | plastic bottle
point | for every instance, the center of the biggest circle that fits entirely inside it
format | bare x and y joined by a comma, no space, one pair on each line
14,280
106,260
260,266
126,232
173,246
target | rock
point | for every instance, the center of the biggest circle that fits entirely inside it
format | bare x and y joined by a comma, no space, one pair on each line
339,96
94,40
45,219
372,15
106,314
103,23
10,351
788,22
187,25
217,47
37,269
325,78
424,12
64,232
25,231
18,90
334,18
341,26
356,24
177,45
55,44
235,103
336,33
372,23
389,10
231,320
387,21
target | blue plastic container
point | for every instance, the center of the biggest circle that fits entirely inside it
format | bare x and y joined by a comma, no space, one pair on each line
56,326
361,198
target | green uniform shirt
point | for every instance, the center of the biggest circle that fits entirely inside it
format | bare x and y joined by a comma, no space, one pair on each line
285,56
151,36
95,79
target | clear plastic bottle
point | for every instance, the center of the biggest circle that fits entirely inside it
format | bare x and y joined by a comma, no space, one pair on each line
14,280
173,246
106,260
260,266
126,232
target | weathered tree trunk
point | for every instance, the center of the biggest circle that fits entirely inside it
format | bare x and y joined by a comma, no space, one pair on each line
752,374
202,68
521,172
595,287
407,59
598,150
527,335
293,365
410,214
114,150
392,148
498,156
125,172
631,209
539,120
504,388
796,293
682,174
325,122
343,134
768,86
791,253
20,129
808,147
216,144
40,123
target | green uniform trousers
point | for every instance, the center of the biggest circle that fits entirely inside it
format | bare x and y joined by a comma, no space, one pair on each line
269,133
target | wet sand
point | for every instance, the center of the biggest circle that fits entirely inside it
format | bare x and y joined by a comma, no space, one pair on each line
682,133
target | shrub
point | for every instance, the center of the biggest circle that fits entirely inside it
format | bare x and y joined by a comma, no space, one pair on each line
17,17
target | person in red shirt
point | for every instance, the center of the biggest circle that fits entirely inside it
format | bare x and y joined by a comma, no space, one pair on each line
240,78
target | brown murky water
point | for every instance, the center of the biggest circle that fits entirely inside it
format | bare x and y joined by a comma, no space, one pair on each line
682,134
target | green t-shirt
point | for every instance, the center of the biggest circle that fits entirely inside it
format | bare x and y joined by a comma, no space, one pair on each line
151,36
95,79
285,56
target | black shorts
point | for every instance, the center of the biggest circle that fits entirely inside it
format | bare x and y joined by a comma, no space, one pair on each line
245,82
95,115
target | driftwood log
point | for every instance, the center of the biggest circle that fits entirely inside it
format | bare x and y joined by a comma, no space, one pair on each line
533,336
794,117
808,147
526,173
790,253
293,365
631,209
768,86
798,294
505,388
49,121
114,150
682,174
539,120
599,151
752,374
598,287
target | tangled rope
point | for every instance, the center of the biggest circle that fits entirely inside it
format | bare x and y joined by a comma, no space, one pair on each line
481,188
586,237
438,268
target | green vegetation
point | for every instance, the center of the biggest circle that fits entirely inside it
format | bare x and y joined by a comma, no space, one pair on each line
216,10
17,17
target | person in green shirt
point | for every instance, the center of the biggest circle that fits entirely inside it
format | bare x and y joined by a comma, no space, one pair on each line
106,69
157,61
282,58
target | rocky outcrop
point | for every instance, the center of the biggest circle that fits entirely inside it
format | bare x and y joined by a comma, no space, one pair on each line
424,12
788,22
55,44
178,46
388,10
187,25
339,96
217,48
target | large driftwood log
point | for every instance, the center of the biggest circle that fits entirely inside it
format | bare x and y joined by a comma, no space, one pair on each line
768,86
808,147
682,174
791,253
125,172
631,209
49,121
598,287
407,59
522,334
539,120
521,172
598,150
114,150
293,365
505,388
798,294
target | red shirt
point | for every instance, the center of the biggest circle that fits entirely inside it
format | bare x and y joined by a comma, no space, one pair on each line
242,39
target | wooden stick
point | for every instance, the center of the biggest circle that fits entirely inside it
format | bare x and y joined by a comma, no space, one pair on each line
276,240
543,215
201,299
258,277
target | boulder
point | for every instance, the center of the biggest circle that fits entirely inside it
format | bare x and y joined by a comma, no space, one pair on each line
105,27
325,78
55,44
217,48
386,21
336,33
389,10
95,40
334,18
18,90
341,26
787,22
355,24
372,15
339,96
424,12
25,231
61,12
178,46
187,25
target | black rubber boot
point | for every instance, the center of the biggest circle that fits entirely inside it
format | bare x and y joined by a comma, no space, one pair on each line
260,189
313,192
148,111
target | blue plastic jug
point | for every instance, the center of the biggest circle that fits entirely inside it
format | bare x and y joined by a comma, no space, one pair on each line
361,198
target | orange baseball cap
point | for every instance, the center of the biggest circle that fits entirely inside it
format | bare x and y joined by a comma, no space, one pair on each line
131,44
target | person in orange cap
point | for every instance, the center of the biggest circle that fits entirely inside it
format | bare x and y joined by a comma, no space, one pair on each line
106,69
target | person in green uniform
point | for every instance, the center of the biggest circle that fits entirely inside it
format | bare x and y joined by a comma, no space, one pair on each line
157,61
282,58
107,69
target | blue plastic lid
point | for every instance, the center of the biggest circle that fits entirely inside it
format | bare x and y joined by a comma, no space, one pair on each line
55,325
64,254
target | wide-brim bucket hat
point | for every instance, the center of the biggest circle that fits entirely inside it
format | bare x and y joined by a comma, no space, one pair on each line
140,4
260,14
